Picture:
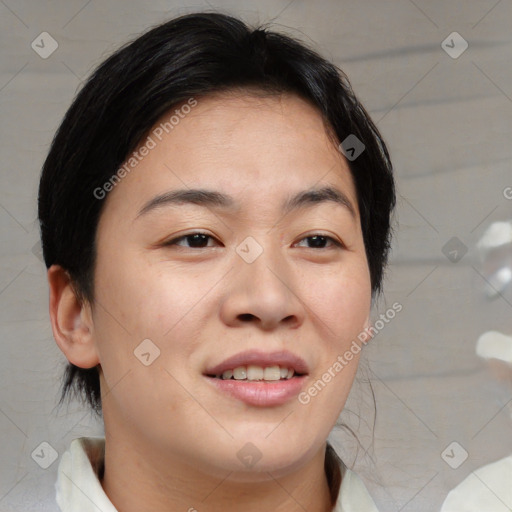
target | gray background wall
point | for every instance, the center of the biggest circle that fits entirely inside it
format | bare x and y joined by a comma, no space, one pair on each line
448,123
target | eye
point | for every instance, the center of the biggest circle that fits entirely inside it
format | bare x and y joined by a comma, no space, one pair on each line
318,241
197,240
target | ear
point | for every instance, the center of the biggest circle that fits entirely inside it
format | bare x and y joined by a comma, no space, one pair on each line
71,320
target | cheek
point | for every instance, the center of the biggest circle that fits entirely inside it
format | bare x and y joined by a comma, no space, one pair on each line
137,303
140,302
147,299
341,300
342,305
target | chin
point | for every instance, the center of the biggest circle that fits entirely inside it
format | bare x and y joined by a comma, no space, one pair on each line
252,460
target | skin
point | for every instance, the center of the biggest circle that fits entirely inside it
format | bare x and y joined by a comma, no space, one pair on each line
171,438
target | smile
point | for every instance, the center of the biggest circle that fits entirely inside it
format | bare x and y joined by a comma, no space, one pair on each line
257,373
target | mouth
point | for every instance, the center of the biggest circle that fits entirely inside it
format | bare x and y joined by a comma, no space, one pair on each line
259,379
257,373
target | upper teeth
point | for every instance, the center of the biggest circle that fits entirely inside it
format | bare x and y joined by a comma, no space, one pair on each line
253,372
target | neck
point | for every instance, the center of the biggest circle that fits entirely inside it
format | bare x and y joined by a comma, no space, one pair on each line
144,478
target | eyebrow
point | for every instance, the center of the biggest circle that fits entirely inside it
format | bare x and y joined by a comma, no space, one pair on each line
220,201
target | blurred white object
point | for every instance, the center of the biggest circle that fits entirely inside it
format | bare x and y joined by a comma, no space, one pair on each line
497,234
487,489
495,345
495,251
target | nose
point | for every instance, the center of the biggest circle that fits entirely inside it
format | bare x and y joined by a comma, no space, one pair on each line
264,292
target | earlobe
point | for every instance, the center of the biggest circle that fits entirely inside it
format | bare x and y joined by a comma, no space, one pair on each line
71,320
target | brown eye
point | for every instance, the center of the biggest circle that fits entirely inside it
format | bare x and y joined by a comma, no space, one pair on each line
195,240
318,241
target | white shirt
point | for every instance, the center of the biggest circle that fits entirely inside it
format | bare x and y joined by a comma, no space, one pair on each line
78,487
488,489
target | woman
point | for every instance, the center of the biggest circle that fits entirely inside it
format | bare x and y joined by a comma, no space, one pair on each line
215,219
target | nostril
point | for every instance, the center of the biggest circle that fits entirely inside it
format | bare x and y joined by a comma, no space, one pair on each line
246,316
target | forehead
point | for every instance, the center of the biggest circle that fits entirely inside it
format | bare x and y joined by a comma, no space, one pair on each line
236,124
254,147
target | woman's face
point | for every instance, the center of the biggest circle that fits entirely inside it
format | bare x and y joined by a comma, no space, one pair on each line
260,281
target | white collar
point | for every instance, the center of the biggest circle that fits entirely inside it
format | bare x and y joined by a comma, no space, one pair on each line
78,487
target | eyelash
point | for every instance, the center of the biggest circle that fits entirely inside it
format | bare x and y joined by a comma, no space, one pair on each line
175,241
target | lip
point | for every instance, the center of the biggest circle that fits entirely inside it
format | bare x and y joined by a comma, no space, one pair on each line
282,358
260,393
